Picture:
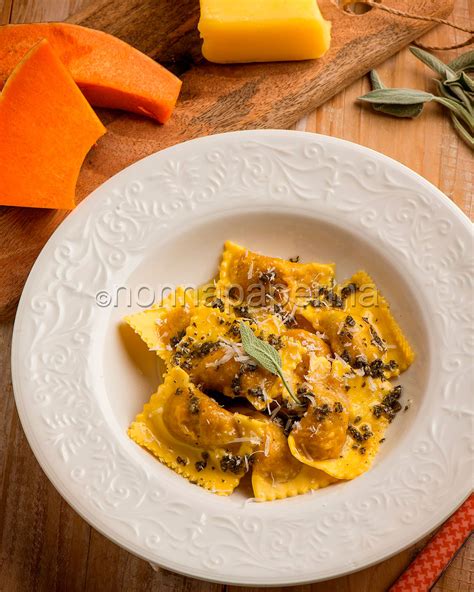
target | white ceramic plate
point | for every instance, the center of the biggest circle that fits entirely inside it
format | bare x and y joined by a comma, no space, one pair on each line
163,221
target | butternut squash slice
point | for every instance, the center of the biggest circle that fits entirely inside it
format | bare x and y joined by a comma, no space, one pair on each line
46,129
109,72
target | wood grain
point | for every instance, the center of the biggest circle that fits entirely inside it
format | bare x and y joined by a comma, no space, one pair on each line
171,37
44,544
5,12
460,575
25,11
214,99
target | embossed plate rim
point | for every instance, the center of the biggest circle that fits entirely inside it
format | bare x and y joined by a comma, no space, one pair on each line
315,169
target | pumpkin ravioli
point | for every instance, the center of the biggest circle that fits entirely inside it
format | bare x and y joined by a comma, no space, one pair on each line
296,392
368,303
260,280
194,436
162,326
364,434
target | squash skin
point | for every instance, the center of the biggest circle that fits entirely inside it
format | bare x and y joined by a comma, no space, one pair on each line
109,72
46,130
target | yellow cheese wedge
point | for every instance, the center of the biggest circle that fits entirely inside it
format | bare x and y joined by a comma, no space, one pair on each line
262,30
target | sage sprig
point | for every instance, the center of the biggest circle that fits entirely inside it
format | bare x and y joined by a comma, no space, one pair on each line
394,110
455,92
463,62
264,354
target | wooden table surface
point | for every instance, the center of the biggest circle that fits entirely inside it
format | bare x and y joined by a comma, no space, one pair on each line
44,544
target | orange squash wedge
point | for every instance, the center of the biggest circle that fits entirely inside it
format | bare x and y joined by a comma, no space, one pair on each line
109,72
46,129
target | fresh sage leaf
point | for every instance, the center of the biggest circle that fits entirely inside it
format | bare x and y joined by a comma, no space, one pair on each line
393,110
375,80
455,92
459,85
407,111
463,62
462,131
462,80
467,82
458,110
397,96
432,62
264,354
443,90
449,76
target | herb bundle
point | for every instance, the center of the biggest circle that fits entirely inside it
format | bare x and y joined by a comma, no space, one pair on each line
455,92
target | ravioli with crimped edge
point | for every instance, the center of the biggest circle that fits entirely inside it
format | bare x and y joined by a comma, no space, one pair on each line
300,399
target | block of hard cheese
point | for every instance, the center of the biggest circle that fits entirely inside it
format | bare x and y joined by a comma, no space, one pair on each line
262,30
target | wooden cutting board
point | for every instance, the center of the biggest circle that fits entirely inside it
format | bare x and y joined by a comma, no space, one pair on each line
214,98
